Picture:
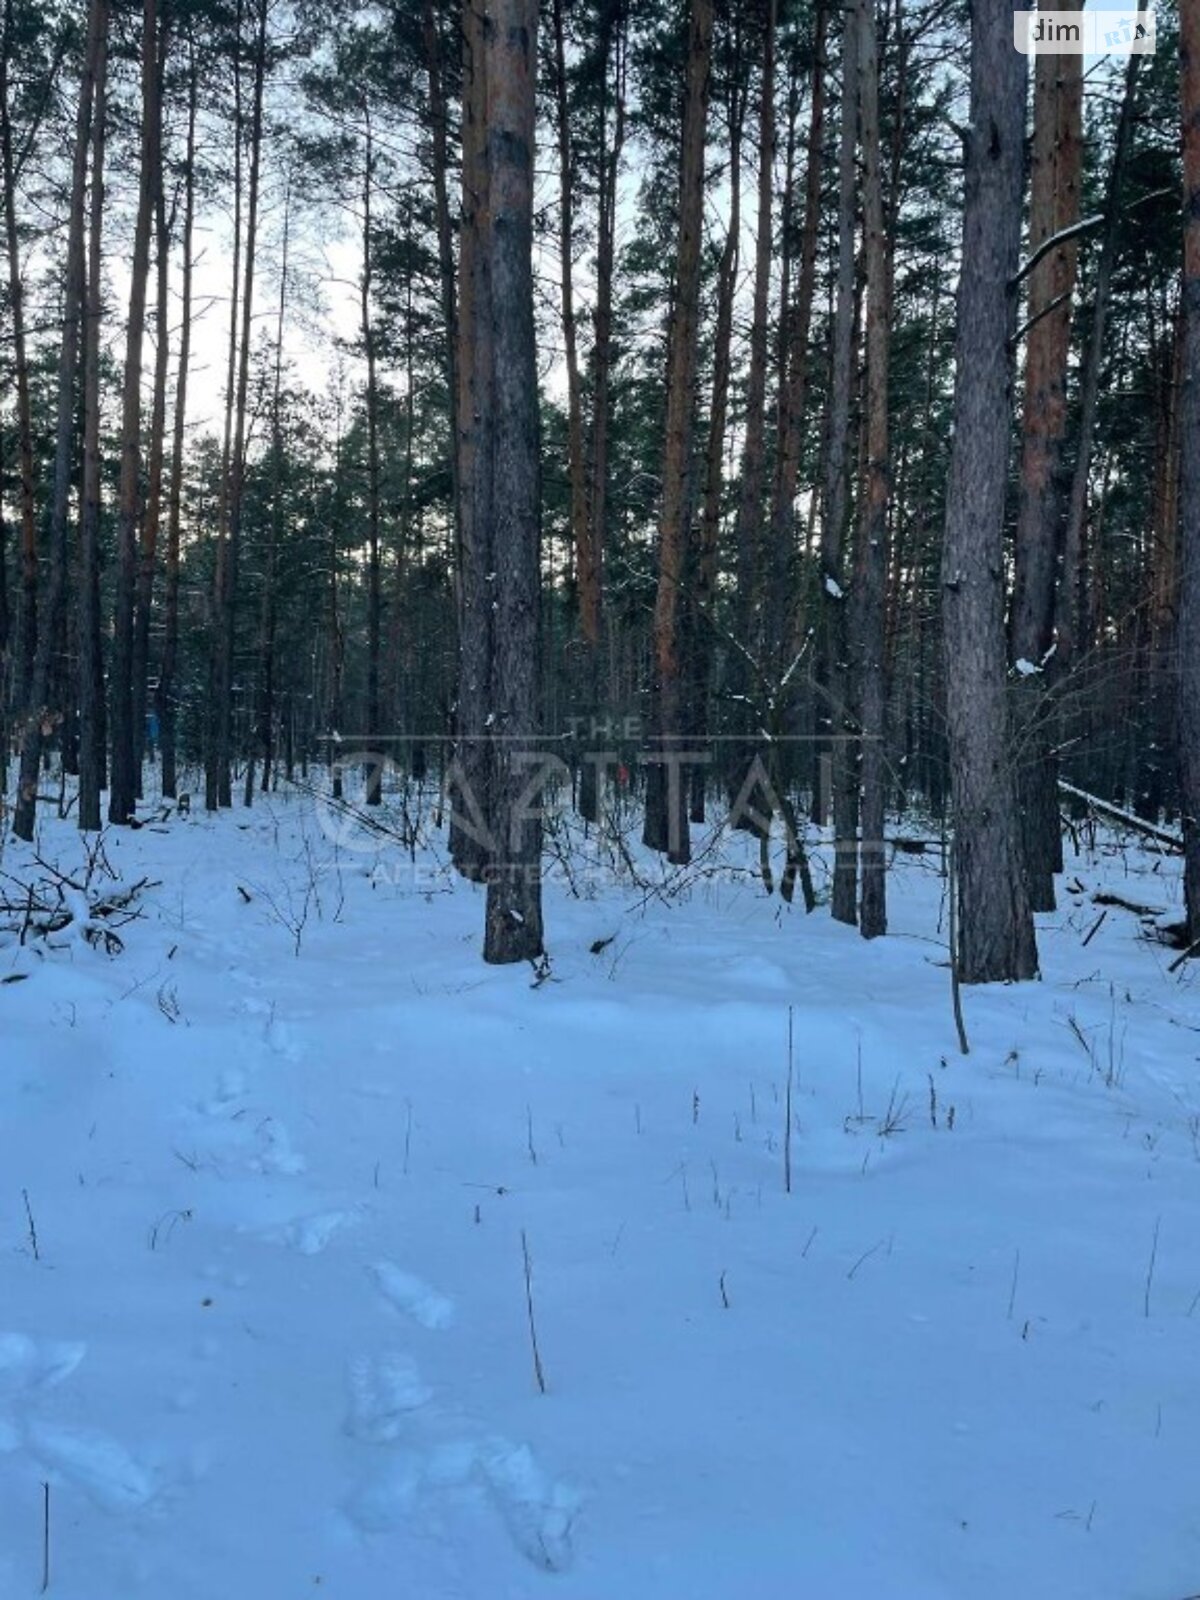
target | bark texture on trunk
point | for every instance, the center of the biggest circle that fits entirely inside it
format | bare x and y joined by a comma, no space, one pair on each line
708,544
1069,612
20,359
336,632
500,467
995,937
374,786
218,778
263,733
583,536
1054,206
439,146
469,781
793,387
168,696
122,798
666,826
91,660
835,713
221,562
1189,505
612,143
748,681
870,586
152,515
586,574
749,544
42,715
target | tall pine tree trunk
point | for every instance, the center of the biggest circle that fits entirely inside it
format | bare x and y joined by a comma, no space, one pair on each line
500,474
748,536
714,456
222,754
794,366
439,144
995,938
1054,206
151,520
612,142
870,586
1068,613
374,786
748,659
263,732
585,573
221,580
666,827
469,781
1189,501
514,896
20,360
122,799
1163,581
337,635
168,695
91,659
74,290
833,675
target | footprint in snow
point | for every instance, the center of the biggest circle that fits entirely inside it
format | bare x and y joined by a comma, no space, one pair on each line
537,1512
382,1391
308,1235
231,1087
92,1461
283,1041
279,1037
384,1498
240,1135
28,1365
28,1368
412,1295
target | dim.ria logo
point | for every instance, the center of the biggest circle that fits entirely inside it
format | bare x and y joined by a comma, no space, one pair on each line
1084,33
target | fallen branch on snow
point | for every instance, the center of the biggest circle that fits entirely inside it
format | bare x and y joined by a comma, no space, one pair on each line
1148,830
55,903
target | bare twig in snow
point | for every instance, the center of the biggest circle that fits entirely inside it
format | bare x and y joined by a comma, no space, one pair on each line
538,1373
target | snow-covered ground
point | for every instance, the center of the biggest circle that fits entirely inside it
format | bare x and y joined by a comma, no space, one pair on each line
284,1153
